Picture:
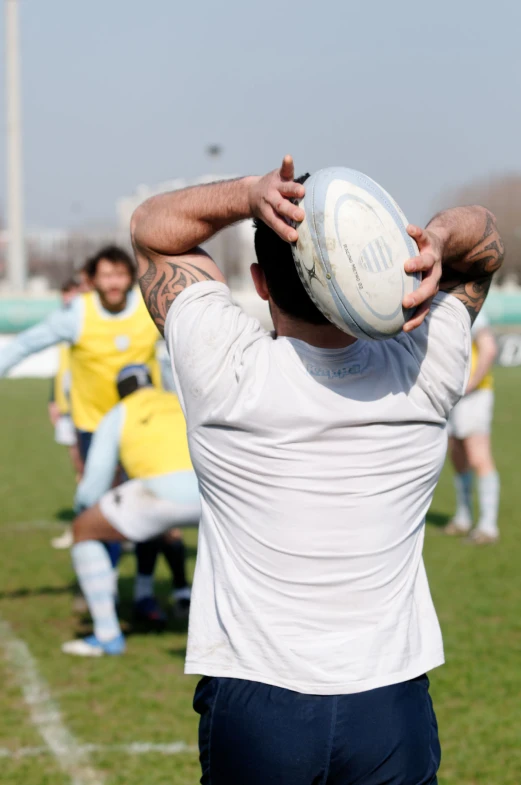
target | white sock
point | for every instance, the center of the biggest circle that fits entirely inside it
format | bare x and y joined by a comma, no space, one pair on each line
143,587
488,495
115,581
96,576
463,485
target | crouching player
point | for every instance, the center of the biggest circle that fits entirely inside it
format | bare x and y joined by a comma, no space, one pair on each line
146,433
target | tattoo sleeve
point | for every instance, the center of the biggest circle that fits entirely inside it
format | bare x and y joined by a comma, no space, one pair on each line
468,277
161,284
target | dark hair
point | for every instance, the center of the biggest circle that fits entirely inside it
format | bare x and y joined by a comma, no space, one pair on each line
111,253
69,284
275,257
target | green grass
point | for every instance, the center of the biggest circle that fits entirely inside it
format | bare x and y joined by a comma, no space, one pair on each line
144,696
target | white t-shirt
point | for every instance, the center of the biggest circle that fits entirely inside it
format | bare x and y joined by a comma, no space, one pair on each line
309,570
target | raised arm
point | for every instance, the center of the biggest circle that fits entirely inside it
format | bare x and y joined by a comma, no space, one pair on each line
168,229
61,326
460,250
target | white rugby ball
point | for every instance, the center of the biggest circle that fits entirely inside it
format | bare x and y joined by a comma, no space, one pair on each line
350,253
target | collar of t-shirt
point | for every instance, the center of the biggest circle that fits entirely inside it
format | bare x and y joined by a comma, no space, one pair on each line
329,366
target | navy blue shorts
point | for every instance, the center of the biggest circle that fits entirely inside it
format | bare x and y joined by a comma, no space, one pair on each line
255,734
84,442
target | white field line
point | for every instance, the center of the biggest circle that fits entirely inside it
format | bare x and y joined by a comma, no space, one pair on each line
24,526
135,748
45,713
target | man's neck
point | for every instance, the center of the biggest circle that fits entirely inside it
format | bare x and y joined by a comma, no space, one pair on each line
323,336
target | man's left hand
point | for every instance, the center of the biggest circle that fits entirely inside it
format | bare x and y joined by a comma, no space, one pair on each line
428,263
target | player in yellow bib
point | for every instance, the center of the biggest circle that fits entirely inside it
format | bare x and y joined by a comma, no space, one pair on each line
107,329
60,404
146,434
469,445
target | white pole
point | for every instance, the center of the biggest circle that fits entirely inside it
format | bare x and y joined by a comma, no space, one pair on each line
16,260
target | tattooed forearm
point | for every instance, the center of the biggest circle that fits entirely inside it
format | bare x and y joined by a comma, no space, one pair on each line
468,275
161,284
471,293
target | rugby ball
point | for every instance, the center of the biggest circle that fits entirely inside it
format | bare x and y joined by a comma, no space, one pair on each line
350,253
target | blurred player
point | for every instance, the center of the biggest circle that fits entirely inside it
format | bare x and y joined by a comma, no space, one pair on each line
469,444
107,329
60,406
146,433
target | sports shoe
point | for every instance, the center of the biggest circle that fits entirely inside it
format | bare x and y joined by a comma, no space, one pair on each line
481,537
92,647
150,612
456,529
64,541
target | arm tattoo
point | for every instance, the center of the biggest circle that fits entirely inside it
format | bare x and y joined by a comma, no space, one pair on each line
469,278
161,284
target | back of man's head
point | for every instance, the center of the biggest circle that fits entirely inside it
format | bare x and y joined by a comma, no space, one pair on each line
275,258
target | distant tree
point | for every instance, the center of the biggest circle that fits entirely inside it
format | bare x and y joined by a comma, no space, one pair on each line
502,195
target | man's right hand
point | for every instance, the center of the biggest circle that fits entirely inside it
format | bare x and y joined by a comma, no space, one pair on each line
270,200
54,412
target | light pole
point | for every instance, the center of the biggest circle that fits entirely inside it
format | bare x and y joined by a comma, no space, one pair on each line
214,152
16,258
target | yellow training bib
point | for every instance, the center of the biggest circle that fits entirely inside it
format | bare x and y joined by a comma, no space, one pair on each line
488,381
153,439
106,344
62,380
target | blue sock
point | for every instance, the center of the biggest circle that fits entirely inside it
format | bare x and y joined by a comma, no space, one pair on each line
96,576
114,551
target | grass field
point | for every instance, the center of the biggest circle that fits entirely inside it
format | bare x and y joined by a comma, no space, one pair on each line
115,704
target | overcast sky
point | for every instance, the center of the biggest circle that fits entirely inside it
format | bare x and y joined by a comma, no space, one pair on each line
420,96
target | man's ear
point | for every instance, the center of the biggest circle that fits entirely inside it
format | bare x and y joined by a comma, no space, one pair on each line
259,280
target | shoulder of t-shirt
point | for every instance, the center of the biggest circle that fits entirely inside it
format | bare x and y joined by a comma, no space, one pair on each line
449,303
214,290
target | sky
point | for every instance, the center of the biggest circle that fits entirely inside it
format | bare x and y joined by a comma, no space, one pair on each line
423,97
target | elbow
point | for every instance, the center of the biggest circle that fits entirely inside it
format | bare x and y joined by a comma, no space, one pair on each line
487,214
136,221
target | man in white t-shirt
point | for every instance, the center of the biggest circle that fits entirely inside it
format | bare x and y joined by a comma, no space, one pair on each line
469,443
317,456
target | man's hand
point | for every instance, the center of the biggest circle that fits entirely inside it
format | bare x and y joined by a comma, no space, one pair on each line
54,412
168,229
430,246
270,200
